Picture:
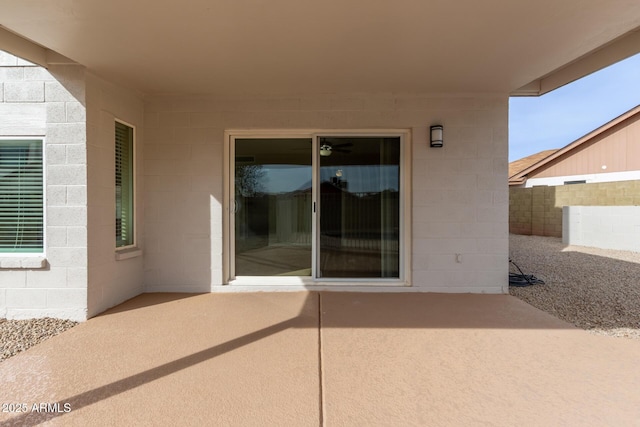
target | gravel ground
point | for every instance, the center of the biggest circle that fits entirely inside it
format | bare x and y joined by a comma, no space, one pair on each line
19,335
594,289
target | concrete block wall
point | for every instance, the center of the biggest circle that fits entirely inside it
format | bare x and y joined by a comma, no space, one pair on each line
49,104
114,276
520,214
538,210
608,227
620,193
552,218
459,195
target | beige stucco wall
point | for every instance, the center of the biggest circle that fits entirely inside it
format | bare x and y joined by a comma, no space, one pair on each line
110,280
459,194
538,210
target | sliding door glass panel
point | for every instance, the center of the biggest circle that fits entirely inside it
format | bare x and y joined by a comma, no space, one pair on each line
359,207
273,207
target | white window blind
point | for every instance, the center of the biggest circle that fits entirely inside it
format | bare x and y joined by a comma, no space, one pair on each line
21,196
124,185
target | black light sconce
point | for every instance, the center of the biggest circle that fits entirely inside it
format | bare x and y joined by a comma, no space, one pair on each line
436,135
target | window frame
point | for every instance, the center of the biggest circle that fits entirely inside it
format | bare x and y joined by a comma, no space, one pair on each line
133,184
40,253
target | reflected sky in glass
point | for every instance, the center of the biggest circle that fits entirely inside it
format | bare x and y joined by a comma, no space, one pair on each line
361,178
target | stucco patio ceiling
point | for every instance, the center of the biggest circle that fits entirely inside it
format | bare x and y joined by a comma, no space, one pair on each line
231,47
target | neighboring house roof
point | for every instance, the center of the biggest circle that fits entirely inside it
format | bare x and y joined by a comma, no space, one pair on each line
520,176
519,165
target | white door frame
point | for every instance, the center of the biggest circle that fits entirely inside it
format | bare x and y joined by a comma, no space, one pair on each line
228,252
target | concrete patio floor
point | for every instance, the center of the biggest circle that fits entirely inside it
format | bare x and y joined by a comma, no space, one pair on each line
336,359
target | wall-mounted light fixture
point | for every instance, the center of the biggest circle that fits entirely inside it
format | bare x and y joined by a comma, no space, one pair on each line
436,135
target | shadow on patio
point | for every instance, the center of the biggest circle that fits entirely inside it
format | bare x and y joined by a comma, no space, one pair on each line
313,358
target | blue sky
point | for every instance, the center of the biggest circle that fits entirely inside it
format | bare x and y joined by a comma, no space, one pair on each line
560,117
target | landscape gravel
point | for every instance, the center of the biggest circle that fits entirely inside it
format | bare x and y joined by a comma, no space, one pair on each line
594,289
19,335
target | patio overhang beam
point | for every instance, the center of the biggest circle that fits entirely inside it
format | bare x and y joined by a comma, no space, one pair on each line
23,48
30,51
615,51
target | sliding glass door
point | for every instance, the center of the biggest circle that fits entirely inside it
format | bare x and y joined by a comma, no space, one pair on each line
359,207
273,207
323,207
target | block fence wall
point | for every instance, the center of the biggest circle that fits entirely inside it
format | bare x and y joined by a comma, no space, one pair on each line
608,227
538,210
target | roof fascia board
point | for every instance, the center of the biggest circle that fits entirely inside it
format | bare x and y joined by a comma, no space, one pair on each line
518,181
619,49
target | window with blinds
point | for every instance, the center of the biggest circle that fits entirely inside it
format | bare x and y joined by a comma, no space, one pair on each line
124,185
21,197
